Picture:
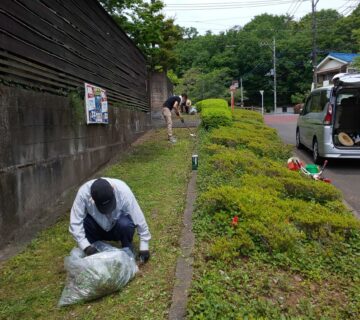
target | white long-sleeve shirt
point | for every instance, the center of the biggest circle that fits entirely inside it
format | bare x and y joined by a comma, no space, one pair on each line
125,204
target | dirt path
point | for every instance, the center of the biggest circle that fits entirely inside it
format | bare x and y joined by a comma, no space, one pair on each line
184,267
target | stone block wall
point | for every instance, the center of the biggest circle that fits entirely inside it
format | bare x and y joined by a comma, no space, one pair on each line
161,88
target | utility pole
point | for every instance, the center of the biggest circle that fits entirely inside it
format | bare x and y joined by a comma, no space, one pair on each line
314,38
273,48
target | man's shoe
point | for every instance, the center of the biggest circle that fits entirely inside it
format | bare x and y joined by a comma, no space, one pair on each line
172,139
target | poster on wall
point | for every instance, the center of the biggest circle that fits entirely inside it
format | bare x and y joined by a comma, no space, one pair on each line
96,105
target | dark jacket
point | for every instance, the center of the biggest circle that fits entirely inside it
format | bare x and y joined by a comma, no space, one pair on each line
169,103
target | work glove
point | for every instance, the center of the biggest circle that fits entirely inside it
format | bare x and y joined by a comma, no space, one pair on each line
144,256
182,119
90,250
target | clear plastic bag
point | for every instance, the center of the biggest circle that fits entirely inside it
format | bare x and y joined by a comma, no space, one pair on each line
97,275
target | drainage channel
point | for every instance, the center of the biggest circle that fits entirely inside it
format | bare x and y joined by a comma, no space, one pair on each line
184,269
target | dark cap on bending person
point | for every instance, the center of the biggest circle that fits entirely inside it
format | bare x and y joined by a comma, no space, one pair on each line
103,194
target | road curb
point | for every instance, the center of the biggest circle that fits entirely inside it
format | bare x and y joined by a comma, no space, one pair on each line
184,268
353,211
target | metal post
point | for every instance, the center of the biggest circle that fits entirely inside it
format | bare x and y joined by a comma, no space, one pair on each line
314,36
232,100
273,48
242,93
262,101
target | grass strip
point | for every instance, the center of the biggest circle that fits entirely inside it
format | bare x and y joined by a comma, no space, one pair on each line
157,172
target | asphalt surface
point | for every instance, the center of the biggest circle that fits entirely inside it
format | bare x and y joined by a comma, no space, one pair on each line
344,173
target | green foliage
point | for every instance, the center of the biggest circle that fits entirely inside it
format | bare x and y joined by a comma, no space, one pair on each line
214,113
240,50
203,85
77,106
266,234
299,97
228,249
247,116
173,77
148,27
215,117
308,189
356,62
151,169
211,103
256,140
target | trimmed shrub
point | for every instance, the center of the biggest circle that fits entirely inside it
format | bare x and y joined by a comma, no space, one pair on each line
261,142
253,210
211,103
247,116
215,117
280,237
308,189
260,128
257,209
230,161
319,222
229,248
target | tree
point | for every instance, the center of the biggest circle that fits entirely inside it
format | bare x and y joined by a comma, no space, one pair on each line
356,63
190,33
199,85
347,32
144,23
239,51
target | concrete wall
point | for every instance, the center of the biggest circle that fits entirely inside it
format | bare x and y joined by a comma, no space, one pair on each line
45,150
161,88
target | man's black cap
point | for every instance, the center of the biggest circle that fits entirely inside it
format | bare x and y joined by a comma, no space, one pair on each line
103,194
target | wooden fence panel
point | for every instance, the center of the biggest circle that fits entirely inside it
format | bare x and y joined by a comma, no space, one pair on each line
56,46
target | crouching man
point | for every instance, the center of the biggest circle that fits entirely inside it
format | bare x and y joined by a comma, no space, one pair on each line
106,209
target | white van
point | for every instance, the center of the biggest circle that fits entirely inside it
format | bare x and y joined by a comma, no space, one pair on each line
329,123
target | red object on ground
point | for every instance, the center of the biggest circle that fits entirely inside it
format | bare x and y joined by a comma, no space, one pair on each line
295,166
235,220
326,180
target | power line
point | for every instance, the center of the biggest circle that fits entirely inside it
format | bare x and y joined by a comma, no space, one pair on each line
226,5
291,12
246,2
221,19
227,19
296,9
348,6
347,10
292,3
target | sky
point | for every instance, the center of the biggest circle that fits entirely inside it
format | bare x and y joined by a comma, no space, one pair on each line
217,15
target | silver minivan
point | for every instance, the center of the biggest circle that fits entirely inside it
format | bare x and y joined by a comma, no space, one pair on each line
329,123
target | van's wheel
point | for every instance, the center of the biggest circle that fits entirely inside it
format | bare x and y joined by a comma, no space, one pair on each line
316,158
299,145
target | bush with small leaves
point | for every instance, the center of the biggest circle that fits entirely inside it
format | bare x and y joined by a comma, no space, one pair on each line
211,103
215,118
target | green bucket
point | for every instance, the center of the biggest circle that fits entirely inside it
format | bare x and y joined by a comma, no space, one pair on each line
312,168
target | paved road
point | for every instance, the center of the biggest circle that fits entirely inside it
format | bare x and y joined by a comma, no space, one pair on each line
344,174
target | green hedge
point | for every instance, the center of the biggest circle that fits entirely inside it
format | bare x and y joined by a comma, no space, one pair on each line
214,113
261,140
253,211
211,103
247,116
215,118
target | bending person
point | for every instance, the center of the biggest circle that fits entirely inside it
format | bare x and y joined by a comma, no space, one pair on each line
106,209
172,103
